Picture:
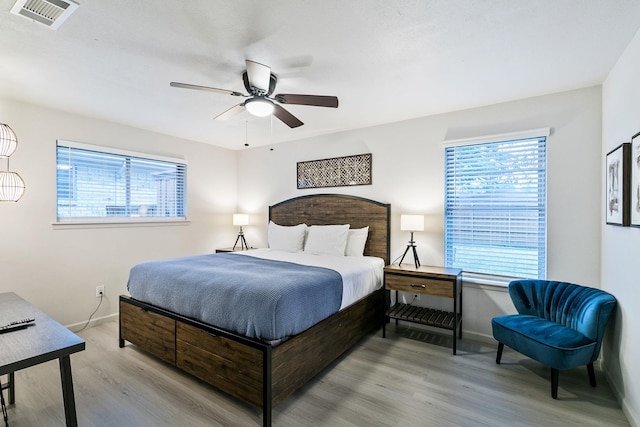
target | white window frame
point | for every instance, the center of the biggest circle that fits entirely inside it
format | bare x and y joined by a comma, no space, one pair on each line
484,277
108,221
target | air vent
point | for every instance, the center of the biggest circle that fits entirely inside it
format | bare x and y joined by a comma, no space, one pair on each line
51,13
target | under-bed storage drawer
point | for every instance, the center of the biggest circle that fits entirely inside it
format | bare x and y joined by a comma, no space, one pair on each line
150,331
221,362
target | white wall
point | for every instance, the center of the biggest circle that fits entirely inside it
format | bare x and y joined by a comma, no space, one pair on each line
621,245
408,172
58,269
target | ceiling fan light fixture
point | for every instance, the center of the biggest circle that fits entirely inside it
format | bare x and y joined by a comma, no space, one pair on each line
259,107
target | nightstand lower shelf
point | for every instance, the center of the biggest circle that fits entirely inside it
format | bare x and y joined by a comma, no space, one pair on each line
424,316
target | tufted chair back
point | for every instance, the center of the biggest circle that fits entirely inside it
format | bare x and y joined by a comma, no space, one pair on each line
581,308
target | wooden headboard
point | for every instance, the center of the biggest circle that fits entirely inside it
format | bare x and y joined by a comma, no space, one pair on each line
328,209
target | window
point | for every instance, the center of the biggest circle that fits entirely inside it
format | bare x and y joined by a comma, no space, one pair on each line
495,205
109,185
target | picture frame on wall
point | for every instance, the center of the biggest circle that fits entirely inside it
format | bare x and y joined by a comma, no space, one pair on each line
634,166
618,185
335,172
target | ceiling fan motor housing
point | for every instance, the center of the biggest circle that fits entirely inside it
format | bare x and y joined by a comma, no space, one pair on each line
273,79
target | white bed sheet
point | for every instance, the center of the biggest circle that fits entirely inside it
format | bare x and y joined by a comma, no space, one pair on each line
361,275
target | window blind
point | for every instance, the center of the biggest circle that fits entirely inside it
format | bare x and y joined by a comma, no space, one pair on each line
113,185
495,207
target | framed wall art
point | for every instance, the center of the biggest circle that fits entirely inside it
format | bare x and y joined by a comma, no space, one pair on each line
617,185
335,172
634,165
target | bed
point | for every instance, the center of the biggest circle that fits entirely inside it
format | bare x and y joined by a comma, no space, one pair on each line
259,372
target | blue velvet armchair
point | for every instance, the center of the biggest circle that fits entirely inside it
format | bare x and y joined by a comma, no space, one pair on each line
559,324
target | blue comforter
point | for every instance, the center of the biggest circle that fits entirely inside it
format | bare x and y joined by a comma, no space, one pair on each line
254,297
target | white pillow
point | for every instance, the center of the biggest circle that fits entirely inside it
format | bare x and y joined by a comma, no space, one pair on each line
284,238
327,239
356,240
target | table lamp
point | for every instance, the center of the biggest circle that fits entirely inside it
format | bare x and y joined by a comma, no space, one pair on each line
240,220
411,223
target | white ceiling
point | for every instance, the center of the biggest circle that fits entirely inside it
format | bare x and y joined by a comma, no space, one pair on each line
386,60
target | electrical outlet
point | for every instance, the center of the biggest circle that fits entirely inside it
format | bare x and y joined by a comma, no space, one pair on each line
416,296
99,291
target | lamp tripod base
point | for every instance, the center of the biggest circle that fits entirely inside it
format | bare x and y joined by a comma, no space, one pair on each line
243,242
412,246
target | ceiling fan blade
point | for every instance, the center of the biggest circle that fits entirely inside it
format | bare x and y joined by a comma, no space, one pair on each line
211,89
230,113
286,117
315,100
259,75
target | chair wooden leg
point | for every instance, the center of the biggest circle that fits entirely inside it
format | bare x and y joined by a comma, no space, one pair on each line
554,383
592,374
499,354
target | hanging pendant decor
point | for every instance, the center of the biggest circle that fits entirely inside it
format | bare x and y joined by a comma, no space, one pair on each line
8,140
11,184
11,187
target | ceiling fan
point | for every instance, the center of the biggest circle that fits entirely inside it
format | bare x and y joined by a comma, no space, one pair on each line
260,83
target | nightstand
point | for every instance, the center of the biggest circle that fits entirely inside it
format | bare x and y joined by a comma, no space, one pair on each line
425,280
237,249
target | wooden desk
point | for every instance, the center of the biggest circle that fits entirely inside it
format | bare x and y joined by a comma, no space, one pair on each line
42,342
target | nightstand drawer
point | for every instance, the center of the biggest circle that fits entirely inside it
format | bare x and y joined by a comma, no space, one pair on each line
419,285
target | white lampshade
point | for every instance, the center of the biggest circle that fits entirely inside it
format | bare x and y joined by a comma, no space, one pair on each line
11,187
412,222
240,219
8,140
259,107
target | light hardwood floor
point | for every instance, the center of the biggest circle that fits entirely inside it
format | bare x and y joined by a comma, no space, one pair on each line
408,379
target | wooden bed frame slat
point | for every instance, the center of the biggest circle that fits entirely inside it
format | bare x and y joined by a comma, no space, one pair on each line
255,372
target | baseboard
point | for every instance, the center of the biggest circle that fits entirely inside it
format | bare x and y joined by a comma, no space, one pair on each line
75,327
628,409
474,336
